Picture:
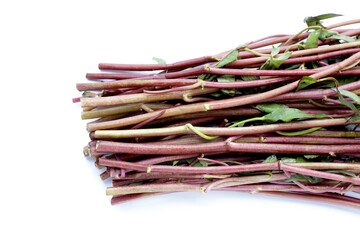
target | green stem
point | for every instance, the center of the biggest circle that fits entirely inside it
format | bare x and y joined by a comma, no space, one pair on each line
298,133
241,123
195,130
295,45
305,29
256,53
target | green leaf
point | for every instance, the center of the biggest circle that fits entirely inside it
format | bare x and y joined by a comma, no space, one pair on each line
289,159
304,178
201,163
316,20
267,65
341,81
278,112
229,58
271,158
343,37
159,60
86,94
216,94
135,183
228,91
354,118
227,78
351,95
312,40
310,156
297,177
274,63
288,114
175,162
347,79
346,103
207,77
284,56
190,160
269,107
274,51
324,34
326,16
271,63
343,172
305,81
249,78
300,159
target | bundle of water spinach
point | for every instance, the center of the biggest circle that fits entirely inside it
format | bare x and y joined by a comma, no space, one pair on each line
275,116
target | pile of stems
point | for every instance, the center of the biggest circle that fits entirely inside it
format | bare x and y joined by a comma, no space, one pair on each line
275,116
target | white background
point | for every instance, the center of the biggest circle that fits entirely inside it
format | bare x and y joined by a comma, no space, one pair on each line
50,191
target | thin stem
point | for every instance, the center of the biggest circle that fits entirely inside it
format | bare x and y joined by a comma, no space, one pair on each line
151,67
140,125
161,187
315,173
186,83
212,161
309,189
120,109
345,134
264,187
134,83
354,21
176,187
97,76
194,121
183,88
191,170
319,57
298,139
221,113
297,72
227,182
294,54
222,131
140,176
292,148
315,94
131,197
141,97
311,197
